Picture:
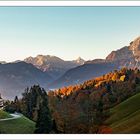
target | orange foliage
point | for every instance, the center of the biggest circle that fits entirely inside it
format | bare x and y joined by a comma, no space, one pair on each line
105,130
75,107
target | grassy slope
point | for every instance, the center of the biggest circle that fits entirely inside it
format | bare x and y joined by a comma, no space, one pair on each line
18,126
4,115
125,117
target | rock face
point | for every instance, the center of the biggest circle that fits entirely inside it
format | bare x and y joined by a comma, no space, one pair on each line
128,56
122,54
53,65
135,48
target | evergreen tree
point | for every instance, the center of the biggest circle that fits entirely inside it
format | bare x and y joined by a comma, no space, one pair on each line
44,121
17,104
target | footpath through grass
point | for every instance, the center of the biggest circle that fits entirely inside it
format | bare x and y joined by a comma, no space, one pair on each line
20,125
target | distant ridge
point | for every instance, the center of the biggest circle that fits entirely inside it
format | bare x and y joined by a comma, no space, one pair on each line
128,56
55,66
53,72
15,77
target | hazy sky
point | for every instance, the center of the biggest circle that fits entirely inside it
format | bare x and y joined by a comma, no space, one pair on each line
67,32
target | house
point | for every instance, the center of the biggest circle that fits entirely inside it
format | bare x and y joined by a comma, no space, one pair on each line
1,102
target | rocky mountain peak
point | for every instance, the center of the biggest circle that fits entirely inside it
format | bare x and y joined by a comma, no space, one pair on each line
121,54
135,45
135,48
79,60
53,65
128,56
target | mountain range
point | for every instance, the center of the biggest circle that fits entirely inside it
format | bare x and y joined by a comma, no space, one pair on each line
53,72
128,56
53,65
42,70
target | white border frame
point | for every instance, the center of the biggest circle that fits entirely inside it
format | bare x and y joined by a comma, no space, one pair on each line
69,3
71,137
75,136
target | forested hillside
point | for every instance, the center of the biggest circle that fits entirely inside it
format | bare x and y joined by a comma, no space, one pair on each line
84,108
81,109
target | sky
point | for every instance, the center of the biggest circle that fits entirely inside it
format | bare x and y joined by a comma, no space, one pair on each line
66,32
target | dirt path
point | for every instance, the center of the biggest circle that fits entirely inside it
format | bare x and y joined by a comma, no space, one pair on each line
14,116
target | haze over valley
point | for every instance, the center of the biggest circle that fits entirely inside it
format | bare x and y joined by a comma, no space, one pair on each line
52,72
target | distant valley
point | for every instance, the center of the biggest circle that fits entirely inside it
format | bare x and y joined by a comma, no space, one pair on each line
52,72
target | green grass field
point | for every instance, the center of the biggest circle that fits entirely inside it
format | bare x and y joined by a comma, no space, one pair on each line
125,117
18,126
4,115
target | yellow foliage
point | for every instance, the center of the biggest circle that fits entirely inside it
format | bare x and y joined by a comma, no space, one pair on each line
122,78
115,77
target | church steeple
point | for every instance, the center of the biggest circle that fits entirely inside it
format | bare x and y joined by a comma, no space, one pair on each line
0,96
1,102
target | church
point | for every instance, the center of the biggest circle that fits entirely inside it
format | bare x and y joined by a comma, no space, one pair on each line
1,102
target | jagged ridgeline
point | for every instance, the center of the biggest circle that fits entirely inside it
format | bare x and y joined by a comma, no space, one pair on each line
51,72
42,70
128,56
